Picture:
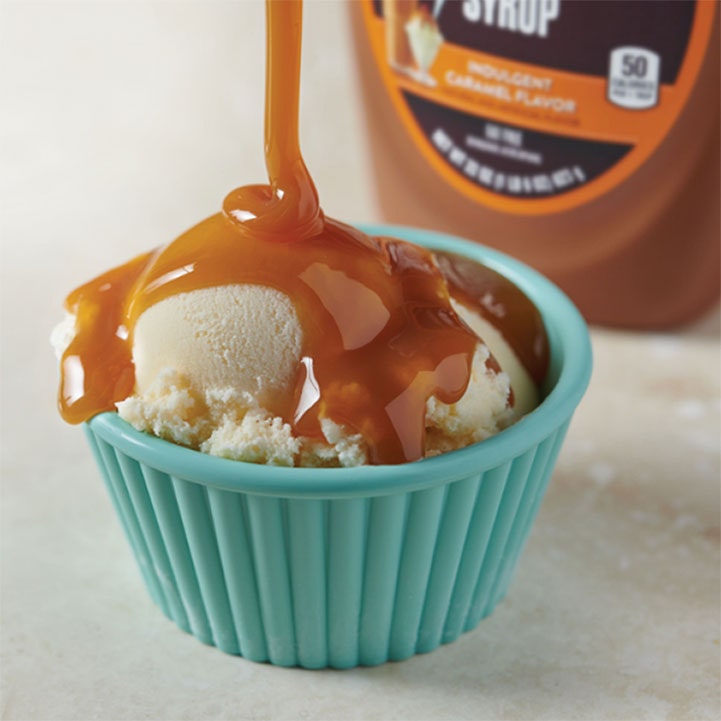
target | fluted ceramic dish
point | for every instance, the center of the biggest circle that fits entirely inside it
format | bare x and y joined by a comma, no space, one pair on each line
350,566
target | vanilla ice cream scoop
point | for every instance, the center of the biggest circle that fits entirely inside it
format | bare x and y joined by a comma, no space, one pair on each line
343,351
245,337
215,366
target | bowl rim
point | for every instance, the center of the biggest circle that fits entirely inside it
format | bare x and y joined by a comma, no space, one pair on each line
568,335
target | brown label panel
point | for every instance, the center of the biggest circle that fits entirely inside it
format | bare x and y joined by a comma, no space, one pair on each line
542,105
577,40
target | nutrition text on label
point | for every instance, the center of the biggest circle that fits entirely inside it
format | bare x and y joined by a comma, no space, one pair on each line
506,144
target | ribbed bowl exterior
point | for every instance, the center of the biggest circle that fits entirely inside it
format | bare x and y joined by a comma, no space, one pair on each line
314,572
336,582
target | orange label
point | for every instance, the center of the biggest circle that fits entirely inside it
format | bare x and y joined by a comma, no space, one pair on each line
537,106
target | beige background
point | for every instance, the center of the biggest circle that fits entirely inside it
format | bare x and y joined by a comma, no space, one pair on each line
121,124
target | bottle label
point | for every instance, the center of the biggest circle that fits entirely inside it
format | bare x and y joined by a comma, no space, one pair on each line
538,106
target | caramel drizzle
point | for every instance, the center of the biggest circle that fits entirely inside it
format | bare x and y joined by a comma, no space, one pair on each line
289,204
503,305
380,335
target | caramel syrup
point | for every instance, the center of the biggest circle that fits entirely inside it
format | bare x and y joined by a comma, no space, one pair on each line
380,335
503,305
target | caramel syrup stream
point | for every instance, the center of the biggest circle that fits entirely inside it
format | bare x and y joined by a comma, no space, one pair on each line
290,204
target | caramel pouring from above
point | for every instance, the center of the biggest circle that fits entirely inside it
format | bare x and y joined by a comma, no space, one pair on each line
380,335
288,207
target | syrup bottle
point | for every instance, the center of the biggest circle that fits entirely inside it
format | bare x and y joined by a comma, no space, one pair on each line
582,138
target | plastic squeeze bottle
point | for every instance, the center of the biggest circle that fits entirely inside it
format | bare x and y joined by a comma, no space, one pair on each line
580,137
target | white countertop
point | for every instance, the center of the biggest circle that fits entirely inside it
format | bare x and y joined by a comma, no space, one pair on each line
121,124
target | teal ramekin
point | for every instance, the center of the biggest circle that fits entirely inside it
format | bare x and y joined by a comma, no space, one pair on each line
349,566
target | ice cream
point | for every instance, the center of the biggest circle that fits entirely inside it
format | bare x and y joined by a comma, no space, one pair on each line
273,334
248,371
425,39
212,364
